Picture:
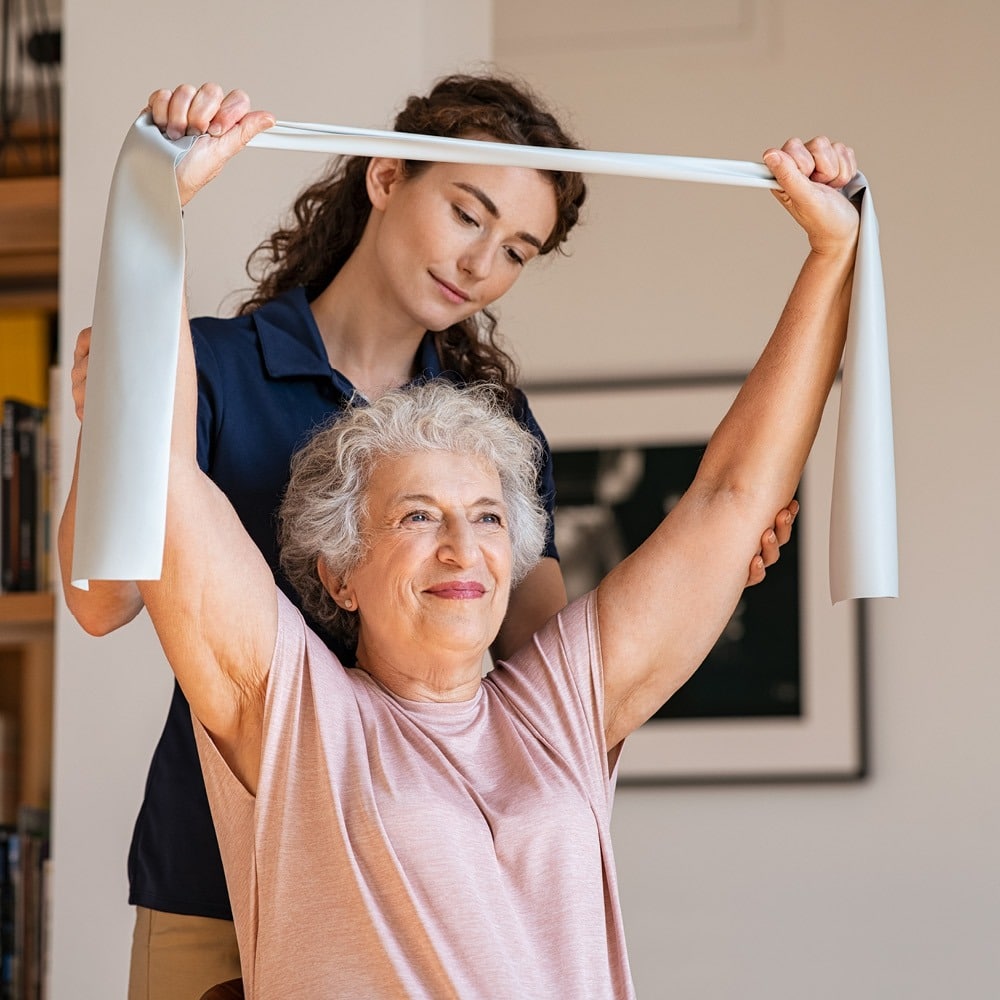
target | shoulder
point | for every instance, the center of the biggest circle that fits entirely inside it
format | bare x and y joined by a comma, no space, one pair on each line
566,646
286,312
217,337
298,649
556,682
571,634
277,339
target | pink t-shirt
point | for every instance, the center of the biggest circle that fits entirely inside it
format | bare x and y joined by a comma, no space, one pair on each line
415,849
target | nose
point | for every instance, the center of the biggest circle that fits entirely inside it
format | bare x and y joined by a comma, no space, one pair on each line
476,259
457,543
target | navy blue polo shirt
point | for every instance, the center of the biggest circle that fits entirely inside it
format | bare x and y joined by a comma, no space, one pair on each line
265,384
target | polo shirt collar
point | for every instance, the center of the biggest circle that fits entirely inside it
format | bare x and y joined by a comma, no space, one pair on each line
292,347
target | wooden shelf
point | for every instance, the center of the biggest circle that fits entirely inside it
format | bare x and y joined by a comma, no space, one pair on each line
29,241
27,609
31,149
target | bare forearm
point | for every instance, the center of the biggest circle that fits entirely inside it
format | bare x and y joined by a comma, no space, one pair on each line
108,604
760,448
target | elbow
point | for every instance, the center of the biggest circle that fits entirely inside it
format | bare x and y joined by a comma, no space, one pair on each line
736,487
96,617
744,505
95,626
725,491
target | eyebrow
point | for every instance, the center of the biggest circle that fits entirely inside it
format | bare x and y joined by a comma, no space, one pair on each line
483,501
490,206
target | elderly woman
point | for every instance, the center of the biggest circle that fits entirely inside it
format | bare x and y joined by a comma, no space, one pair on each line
409,827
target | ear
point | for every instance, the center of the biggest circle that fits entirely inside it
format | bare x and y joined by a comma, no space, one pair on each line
382,175
337,588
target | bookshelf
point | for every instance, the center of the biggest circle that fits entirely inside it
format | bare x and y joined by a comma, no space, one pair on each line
29,267
29,262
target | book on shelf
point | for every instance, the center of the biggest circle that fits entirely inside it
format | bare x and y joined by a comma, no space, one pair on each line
26,352
24,854
23,448
27,348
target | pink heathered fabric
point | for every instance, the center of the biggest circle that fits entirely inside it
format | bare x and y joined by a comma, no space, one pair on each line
424,850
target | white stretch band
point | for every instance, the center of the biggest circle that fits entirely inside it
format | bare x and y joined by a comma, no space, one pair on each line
124,456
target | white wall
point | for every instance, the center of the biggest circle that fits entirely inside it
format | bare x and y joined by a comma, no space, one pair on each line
890,887
307,61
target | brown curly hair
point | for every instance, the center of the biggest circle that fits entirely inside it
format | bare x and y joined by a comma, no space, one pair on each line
330,215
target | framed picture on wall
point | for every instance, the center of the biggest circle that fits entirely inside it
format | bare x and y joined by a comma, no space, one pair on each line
780,696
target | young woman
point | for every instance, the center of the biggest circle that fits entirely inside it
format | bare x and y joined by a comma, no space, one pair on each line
384,276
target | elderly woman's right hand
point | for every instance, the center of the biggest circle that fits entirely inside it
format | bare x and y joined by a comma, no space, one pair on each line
225,121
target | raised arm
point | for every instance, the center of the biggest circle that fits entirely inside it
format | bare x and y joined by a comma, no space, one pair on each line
661,609
214,606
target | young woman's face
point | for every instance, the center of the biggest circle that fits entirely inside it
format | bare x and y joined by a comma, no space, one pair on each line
453,238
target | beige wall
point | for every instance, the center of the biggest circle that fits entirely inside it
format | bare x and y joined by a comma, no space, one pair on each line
306,61
891,887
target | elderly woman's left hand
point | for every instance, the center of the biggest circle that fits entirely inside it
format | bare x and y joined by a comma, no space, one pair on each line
811,175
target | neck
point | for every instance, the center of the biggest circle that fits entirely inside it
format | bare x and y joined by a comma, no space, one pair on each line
443,678
365,338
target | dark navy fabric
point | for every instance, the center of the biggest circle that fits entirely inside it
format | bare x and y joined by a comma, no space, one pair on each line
265,385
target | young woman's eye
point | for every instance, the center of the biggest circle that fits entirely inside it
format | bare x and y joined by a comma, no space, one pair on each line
515,256
464,217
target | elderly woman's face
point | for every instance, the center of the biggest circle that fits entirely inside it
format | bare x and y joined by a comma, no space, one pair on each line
437,571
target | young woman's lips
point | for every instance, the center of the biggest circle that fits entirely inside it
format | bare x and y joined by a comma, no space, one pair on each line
457,590
454,294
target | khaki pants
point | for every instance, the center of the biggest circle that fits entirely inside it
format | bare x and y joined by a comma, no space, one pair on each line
176,957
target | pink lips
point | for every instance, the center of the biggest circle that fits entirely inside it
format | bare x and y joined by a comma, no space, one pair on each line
453,293
457,590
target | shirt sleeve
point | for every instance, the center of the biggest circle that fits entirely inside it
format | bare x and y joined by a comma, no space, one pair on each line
556,684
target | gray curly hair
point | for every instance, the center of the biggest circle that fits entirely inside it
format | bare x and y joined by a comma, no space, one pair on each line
323,512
